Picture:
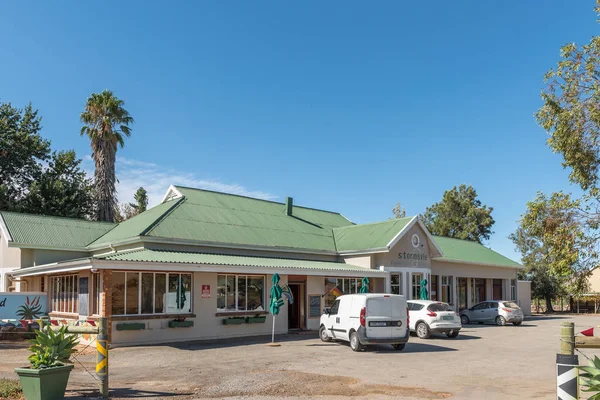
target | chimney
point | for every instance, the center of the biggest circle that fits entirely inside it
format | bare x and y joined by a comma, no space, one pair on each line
289,202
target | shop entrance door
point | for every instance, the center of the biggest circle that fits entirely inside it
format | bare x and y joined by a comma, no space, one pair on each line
462,294
294,308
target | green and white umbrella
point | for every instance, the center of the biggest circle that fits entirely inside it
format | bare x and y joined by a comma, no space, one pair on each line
276,301
364,285
423,295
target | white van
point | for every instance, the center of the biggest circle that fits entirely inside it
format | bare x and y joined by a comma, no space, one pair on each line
369,318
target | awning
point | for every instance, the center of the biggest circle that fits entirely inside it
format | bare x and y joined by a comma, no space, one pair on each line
146,259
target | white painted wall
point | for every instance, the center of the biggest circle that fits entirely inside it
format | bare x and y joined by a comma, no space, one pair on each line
206,324
524,296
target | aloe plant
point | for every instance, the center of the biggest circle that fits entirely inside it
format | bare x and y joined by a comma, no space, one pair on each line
590,378
31,309
51,349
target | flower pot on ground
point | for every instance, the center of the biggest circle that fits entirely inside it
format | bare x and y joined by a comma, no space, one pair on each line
47,376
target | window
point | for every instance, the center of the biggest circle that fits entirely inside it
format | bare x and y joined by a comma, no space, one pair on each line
416,285
151,293
513,289
478,292
447,289
240,293
96,290
416,307
344,285
493,305
334,308
396,283
439,307
434,287
497,289
65,294
480,306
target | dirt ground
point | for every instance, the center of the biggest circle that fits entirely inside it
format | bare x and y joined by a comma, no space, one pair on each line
483,362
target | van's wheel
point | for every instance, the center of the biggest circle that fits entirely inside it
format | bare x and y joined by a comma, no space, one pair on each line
323,334
355,343
464,319
423,330
500,321
399,346
452,334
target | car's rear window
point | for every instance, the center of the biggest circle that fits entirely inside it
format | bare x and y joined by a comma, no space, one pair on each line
510,304
439,307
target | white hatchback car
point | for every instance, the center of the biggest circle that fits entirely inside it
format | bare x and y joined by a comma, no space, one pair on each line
427,317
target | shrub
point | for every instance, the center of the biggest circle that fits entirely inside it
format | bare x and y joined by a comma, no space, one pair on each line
51,349
10,389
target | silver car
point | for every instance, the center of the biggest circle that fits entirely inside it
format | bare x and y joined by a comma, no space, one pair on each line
497,311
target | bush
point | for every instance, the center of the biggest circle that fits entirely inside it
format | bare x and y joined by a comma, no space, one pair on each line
51,349
10,389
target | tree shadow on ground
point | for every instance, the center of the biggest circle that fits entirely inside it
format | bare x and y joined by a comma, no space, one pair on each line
542,317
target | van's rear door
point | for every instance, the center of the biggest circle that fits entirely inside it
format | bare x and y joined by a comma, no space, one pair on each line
399,316
379,317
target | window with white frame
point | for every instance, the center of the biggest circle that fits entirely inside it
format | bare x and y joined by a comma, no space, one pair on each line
335,287
143,293
513,289
96,291
396,281
447,289
237,293
65,293
416,286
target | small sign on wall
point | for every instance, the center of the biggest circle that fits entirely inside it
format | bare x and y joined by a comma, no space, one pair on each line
205,291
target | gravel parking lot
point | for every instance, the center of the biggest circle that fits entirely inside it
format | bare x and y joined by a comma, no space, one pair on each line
485,361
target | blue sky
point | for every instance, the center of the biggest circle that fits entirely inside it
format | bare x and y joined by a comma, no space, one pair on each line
345,106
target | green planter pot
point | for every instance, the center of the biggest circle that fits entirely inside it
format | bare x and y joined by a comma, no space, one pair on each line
131,326
181,324
44,384
234,321
256,320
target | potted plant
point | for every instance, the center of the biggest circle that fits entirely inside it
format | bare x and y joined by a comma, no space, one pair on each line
180,323
47,376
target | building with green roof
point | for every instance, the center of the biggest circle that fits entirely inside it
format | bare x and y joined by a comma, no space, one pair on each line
208,257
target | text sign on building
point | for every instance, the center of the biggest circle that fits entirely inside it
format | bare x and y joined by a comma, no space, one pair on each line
205,291
22,305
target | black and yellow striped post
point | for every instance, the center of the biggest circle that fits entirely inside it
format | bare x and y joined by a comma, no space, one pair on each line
102,356
567,374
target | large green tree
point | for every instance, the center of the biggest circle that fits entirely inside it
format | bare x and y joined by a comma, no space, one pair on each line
460,215
141,200
62,188
106,124
570,114
557,247
32,178
22,151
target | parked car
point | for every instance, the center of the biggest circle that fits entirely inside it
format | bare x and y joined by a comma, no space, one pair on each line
427,317
364,319
498,311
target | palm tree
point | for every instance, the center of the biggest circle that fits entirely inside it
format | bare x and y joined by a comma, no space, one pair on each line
106,123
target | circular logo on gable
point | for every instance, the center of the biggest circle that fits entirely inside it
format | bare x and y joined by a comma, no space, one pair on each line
415,240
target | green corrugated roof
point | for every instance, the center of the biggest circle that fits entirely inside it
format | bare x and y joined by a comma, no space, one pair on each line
55,232
473,252
214,217
160,256
138,225
368,236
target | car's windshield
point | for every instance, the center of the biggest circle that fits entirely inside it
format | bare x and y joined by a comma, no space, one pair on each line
439,307
510,304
